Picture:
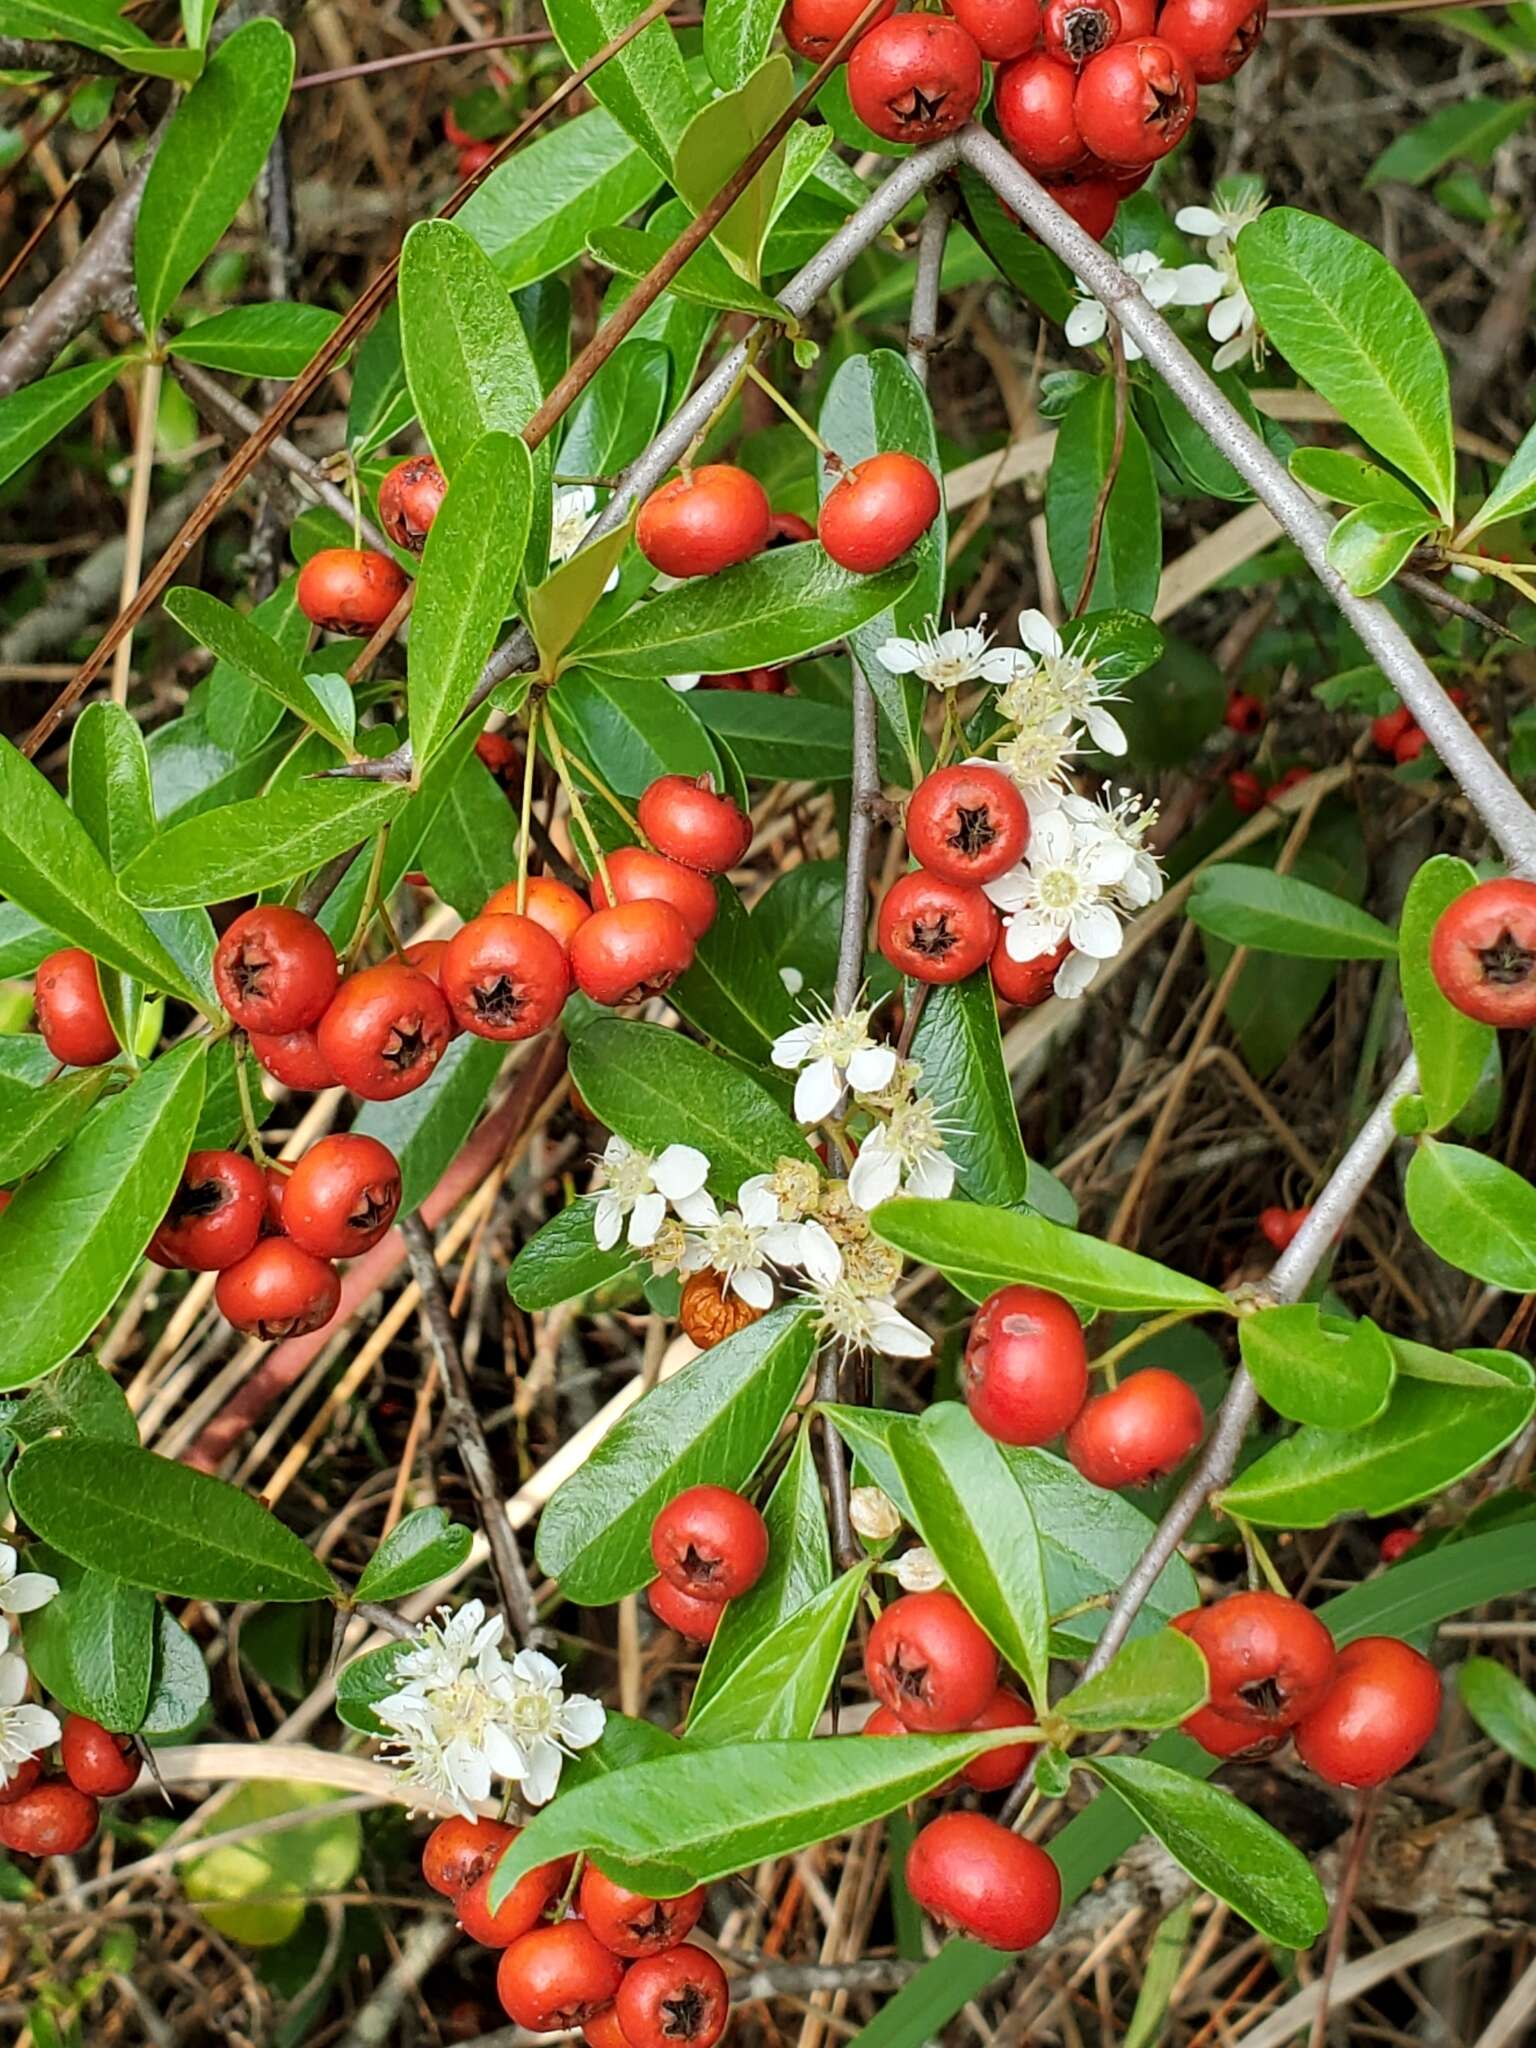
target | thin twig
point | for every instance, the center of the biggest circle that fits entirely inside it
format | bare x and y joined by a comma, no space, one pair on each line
923,322
138,514
56,60
475,46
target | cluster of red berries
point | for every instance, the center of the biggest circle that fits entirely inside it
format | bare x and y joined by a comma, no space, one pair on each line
614,1963
1483,953
48,1814
1249,793
354,590
474,152
710,518
708,1545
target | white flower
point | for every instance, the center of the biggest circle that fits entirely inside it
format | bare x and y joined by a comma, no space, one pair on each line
833,1051
1231,321
873,1514
1126,820
1224,219
745,1242
868,1322
542,1724
448,1714
904,1153
24,1729
918,1570
1062,889
574,510
22,1592
640,1187
1189,284
1038,758
1064,689
946,660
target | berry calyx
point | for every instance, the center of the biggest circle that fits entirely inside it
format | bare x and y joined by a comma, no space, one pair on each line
816,27
1036,111
520,1910
275,970
1244,713
1025,982
930,1663
999,28
704,522
678,1999
881,507
1483,953
350,590
1025,1370
967,823
505,977
1217,36
631,1924
294,1058
998,1768
555,1977
638,875
385,1031
215,1215
342,1196
1075,30
1135,101
458,1850
914,78
1270,1660
1138,1431
710,1543
977,1877
934,930
54,1819
1375,1717
685,818
71,1015
675,1609
631,951
95,1761
554,905
408,500
278,1291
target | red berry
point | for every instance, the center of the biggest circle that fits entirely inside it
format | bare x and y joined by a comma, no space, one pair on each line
1091,201
1025,982
999,1767
275,970
350,590
294,1058
1398,1542
1075,30
630,1923
787,529
1137,18
979,1878
929,1662
602,2030
1291,779
95,1761
557,1977
685,819
1387,730
454,132
474,156
678,1999
914,78
70,1012
1025,1370
342,1196
23,1777
1376,1716
638,875
760,682
1409,745
934,930
554,905
967,824
457,1851
816,27
278,1291
385,1031
1245,790
1138,1431
1217,36
1036,112
505,977
879,508
630,951
883,1722
1135,101
701,523
1244,714
1281,1225
999,28
1483,953
695,1619
1270,1661
710,1543
1231,1739
215,1215
275,1179
408,500
500,757
54,1819
522,1908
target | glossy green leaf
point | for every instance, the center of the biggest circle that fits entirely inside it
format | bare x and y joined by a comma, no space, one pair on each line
260,844
361,1684
274,340
961,1053
1475,1212
426,1128
421,1547
1370,544
238,640
1184,445
178,1683
209,162
1346,322
1312,1371
1450,1047
1150,1683
80,1399
156,1523
706,279
1040,278
470,369
645,87
619,412
631,729
1351,480
76,1231
981,1249
36,1122
1471,128
381,403
732,993
1224,1847
560,606
92,1645
1501,1706
1253,906
1511,497
737,36
31,417
533,215
777,1690
563,1259
99,25
797,918
718,141
714,1425
240,715
1130,547
779,739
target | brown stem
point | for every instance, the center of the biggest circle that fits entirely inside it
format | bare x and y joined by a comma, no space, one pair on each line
56,60
402,59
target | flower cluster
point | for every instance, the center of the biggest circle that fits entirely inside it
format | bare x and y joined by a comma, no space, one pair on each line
1231,320
24,1728
466,1714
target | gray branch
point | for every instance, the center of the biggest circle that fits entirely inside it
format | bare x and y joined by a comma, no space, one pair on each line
56,60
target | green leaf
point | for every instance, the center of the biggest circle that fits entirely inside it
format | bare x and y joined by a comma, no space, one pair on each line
254,654
156,1523
656,1089
196,20
533,215
1346,322
76,1231
1224,1847
563,1259
1039,278
763,613
982,1249
98,25
778,1689
467,583
178,1685
256,1890
1370,544
1350,479
80,1399
714,1425
1511,497
380,404
1472,128
1312,1371
1130,549
51,867
961,1053
731,992
426,1128
421,1547
262,843
1431,1434
273,340
1501,1706
706,279
737,35
618,413
470,368
36,1122
1253,906
718,141
779,739
240,716
704,1813
209,161
645,87
1150,1683
561,605
361,1684
963,1493
1475,1212
92,1645
1183,443
797,919
31,417
630,729
1451,1048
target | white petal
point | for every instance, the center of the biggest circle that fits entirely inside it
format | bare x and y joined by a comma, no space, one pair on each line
792,979
645,1219
1051,840
1160,287
13,1679
1086,323
1032,937
816,1092
27,1592
874,1177
1004,664
758,1205
612,583
607,1219
1096,931
1226,318
697,1211
681,683
681,1170
582,1720
1105,730
1199,220
819,1254
902,657
502,1752
1104,861
894,1335
1008,891
1197,284
933,1178
1142,264
754,1287
1037,632
1132,348
871,1069
541,1780
534,1668
792,1048
1075,976
1230,352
